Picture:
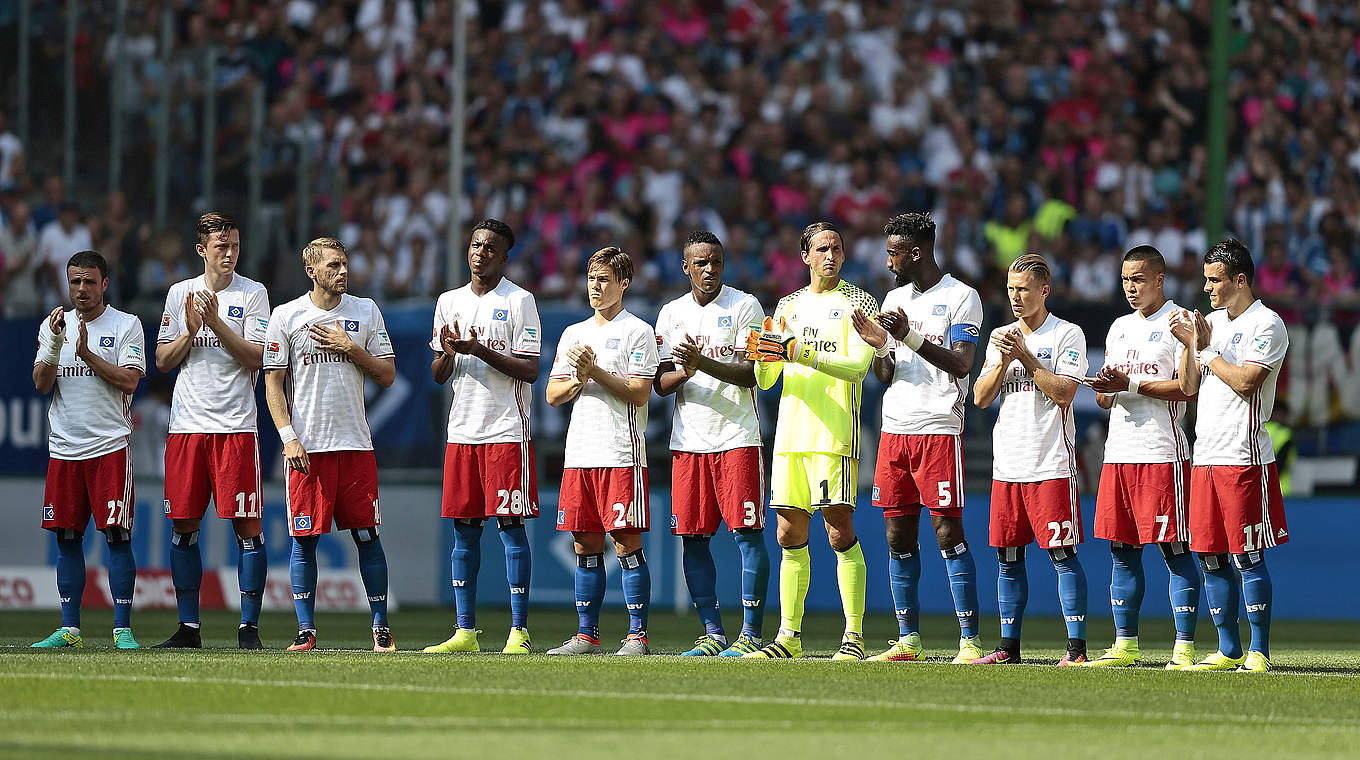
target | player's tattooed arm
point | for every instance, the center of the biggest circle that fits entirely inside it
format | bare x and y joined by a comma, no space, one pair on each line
276,397
383,371
44,374
124,379
249,355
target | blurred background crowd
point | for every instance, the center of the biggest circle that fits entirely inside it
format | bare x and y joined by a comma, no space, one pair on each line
1076,129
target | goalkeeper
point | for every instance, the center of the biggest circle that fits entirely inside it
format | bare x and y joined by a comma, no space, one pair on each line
816,445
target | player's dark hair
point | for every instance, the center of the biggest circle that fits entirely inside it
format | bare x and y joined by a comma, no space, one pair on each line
614,259
918,228
88,260
1148,254
212,223
1036,265
1234,256
497,227
701,237
811,231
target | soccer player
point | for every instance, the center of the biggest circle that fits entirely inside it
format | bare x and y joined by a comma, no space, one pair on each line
924,340
318,349
823,360
717,463
606,365
213,330
1146,476
91,359
1235,502
486,339
1034,366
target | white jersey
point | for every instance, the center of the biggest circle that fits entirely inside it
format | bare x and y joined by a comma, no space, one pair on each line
89,417
1145,429
326,389
922,398
1230,428
710,414
214,393
606,431
1034,439
488,405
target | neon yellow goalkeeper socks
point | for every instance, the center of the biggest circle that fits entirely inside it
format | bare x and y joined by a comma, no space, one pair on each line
795,571
853,577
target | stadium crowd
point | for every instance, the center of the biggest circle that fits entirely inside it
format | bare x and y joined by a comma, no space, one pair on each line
1075,129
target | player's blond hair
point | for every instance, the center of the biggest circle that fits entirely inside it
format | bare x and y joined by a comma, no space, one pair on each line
614,259
1036,265
316,250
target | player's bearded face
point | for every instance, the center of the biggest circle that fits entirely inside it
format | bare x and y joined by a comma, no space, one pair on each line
604,289
221,251
332,274
825,254
1026,293
899,259
86,287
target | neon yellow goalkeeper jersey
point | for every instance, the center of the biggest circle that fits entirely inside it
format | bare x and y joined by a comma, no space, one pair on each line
819,407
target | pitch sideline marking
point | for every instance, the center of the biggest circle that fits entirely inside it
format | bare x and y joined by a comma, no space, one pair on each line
684,697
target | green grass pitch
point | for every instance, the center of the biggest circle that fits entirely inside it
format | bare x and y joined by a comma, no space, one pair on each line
99,702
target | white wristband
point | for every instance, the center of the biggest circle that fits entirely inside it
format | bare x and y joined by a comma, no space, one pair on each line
51,343
882,351
287,434
1207,355
1133,385
913,339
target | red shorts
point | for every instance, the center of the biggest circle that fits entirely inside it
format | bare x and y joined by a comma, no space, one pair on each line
1048,510
595,497
919,471
222,466
1236,509
489,480
340,486
78,489
726,484
1143,503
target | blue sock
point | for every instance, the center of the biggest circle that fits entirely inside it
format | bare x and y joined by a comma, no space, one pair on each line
589,593
518,569
637,589
1126,588
755,579
373,572
186,571
1012,594
1256,594
71,579
122,582
252,565
701,577
465,562
904,575
1072,595
963,586
1184,589
1221,591
302,573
